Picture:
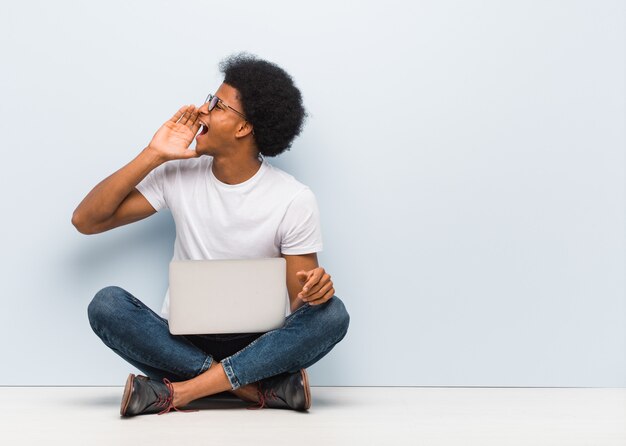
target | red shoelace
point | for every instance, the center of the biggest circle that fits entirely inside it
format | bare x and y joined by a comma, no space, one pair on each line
263,397
167,401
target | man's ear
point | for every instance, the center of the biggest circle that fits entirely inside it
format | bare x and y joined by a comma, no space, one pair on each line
244,129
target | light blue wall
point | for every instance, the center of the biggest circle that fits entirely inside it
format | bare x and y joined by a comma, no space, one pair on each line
467,157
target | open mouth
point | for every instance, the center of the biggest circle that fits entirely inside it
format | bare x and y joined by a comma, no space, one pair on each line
203,131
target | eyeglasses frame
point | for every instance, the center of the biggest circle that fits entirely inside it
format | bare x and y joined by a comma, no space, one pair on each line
219,101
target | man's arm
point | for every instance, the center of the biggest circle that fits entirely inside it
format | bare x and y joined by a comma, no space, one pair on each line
114,201
306,281
98,211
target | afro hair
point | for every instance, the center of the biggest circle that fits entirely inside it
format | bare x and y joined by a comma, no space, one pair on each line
271,101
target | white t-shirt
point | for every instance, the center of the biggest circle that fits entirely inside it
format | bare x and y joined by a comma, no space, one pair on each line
266,215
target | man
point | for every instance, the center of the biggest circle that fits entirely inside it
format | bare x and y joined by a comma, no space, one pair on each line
227,202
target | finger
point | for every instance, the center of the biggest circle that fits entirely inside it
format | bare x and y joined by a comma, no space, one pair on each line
185,118
313,279
178,114
324,299
193,118
323,281
187,115
184,115
196,124
318,292
302,276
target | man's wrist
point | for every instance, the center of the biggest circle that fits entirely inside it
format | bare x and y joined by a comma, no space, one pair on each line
153,157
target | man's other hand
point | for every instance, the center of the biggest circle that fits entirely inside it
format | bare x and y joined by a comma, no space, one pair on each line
317,286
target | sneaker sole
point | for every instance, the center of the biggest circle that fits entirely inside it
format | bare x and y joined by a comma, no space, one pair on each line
307,390
128,390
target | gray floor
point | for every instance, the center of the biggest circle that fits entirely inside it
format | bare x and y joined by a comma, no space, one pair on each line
339,415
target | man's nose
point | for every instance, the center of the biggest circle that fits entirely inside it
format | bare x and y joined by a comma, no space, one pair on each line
204,109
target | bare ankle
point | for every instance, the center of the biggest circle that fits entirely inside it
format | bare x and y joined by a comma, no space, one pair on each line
247,393
180,398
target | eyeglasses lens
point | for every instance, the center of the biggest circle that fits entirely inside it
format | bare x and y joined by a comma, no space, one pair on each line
212,100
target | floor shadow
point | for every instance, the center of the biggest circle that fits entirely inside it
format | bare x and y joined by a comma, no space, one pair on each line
212,402
99,401
223,400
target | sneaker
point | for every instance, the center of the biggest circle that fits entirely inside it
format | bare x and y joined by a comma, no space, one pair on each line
143,396
285,391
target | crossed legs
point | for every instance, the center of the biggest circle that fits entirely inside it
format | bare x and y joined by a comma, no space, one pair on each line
142,338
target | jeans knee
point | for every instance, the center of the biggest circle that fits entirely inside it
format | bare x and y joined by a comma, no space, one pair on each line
103,303
338,317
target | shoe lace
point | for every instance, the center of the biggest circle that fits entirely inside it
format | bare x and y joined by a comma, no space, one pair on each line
263,397
167,401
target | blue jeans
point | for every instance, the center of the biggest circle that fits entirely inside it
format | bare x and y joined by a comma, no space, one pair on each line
142,338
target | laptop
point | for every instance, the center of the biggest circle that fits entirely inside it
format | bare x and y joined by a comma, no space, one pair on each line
227,296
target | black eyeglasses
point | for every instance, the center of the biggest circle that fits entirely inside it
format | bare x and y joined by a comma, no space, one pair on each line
215,101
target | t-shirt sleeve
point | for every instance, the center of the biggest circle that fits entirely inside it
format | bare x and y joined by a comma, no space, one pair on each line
300,230
153,187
